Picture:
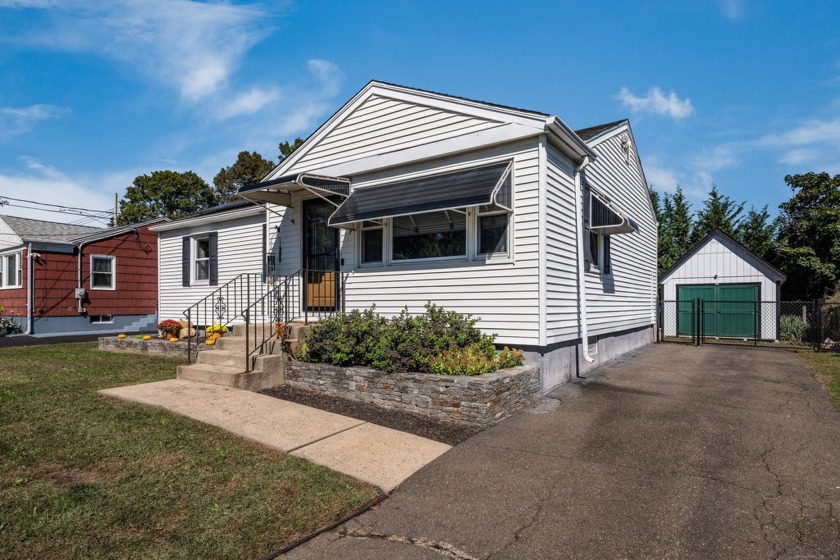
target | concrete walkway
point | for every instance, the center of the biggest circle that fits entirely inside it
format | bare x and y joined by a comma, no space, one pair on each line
677,452
368,452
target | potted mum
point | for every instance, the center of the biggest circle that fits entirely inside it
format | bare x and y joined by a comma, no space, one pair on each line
215,331
169,328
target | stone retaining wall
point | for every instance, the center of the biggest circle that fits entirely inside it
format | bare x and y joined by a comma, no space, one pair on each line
155,346
482,400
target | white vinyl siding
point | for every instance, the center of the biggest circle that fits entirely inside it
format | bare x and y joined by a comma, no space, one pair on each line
719,262
382,124
625,298
239,249
504,293
562,322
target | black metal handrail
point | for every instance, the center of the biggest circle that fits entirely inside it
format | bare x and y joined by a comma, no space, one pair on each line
224,305
304,296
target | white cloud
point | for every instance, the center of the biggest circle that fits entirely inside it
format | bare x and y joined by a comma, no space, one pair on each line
15,121
43,183
659,176
731,9
811,142
657,103
193,47
249,102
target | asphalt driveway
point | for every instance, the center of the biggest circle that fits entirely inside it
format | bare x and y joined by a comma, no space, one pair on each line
675,452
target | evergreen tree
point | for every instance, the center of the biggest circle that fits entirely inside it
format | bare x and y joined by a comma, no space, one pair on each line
758,233
719,212
287,149
675,226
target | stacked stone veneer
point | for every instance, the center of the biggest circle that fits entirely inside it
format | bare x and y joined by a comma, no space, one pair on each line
481,400
156,346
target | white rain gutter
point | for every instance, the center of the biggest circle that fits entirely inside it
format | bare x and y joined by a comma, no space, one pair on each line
584,331
30,290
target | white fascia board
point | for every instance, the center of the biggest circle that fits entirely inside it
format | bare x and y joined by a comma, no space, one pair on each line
565,139
217,218
503,134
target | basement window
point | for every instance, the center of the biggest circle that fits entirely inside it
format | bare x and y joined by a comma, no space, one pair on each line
101,319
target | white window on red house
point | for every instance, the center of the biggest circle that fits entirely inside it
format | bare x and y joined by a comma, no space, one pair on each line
103,275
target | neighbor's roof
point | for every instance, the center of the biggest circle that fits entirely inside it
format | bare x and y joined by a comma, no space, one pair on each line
587,134
111,232
29,229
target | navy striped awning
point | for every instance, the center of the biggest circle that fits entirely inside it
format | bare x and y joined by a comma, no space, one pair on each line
486,185
278,191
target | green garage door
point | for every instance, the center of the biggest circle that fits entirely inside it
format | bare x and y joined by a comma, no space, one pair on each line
729,310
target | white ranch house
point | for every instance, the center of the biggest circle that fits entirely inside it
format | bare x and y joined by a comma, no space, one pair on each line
406,196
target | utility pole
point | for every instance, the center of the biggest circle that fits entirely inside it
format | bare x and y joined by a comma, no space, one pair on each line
116,198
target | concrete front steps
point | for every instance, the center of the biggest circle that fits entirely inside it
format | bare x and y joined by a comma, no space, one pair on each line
225,364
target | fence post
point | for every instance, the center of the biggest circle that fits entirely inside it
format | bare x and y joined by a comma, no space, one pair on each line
818,325
756,326
247,339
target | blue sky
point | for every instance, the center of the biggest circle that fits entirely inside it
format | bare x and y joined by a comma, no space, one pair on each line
92,94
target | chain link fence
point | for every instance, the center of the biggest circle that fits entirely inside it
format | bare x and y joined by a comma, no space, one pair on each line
780,324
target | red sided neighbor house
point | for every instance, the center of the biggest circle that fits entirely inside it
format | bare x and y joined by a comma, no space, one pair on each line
70,279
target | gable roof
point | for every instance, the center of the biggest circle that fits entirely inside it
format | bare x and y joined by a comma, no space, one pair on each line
29,229
230,210
521,123
768,269
588,134
111,232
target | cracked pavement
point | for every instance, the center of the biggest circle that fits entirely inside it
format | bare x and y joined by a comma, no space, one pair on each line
671,452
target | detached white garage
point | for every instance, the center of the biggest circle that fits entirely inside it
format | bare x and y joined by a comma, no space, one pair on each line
738,291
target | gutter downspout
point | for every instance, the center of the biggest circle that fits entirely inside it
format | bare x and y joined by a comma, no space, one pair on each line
80,307
584,331
30,291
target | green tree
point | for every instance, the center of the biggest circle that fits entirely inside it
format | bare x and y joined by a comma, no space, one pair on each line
249,168
287,149
675,226
758,233
809,236
167,194
718,212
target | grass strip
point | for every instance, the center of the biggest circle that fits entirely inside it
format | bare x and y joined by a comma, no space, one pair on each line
84,476
826,368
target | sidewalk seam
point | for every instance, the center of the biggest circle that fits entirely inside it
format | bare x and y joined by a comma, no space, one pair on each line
314,441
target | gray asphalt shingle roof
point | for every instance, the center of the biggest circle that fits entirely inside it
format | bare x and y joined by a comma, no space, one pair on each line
587,134
28,228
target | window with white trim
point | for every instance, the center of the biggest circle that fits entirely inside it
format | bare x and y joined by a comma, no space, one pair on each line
11,270
103,272
201,260
429,235
492,231
373,242
599,252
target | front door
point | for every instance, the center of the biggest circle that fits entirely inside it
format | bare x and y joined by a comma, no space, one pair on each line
320,256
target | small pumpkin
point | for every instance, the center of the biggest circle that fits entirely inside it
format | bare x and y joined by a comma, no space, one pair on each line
174,339
121,335
147,337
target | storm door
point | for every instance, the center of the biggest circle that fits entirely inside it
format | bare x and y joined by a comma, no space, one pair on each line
320,257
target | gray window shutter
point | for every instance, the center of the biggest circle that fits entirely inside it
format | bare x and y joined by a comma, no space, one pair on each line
186,244
214,258
587,251
607,262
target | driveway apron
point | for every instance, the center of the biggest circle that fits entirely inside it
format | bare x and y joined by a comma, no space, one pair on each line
672,452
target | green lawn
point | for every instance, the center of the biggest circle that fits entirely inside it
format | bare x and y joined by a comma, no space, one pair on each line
826,367
84,476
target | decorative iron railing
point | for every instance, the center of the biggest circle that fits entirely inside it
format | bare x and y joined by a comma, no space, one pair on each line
263,304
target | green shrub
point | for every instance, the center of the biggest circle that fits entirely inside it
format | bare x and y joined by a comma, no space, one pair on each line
346,339
403,343
473,360
792,327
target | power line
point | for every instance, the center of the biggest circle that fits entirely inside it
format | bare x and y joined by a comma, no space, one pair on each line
55,205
